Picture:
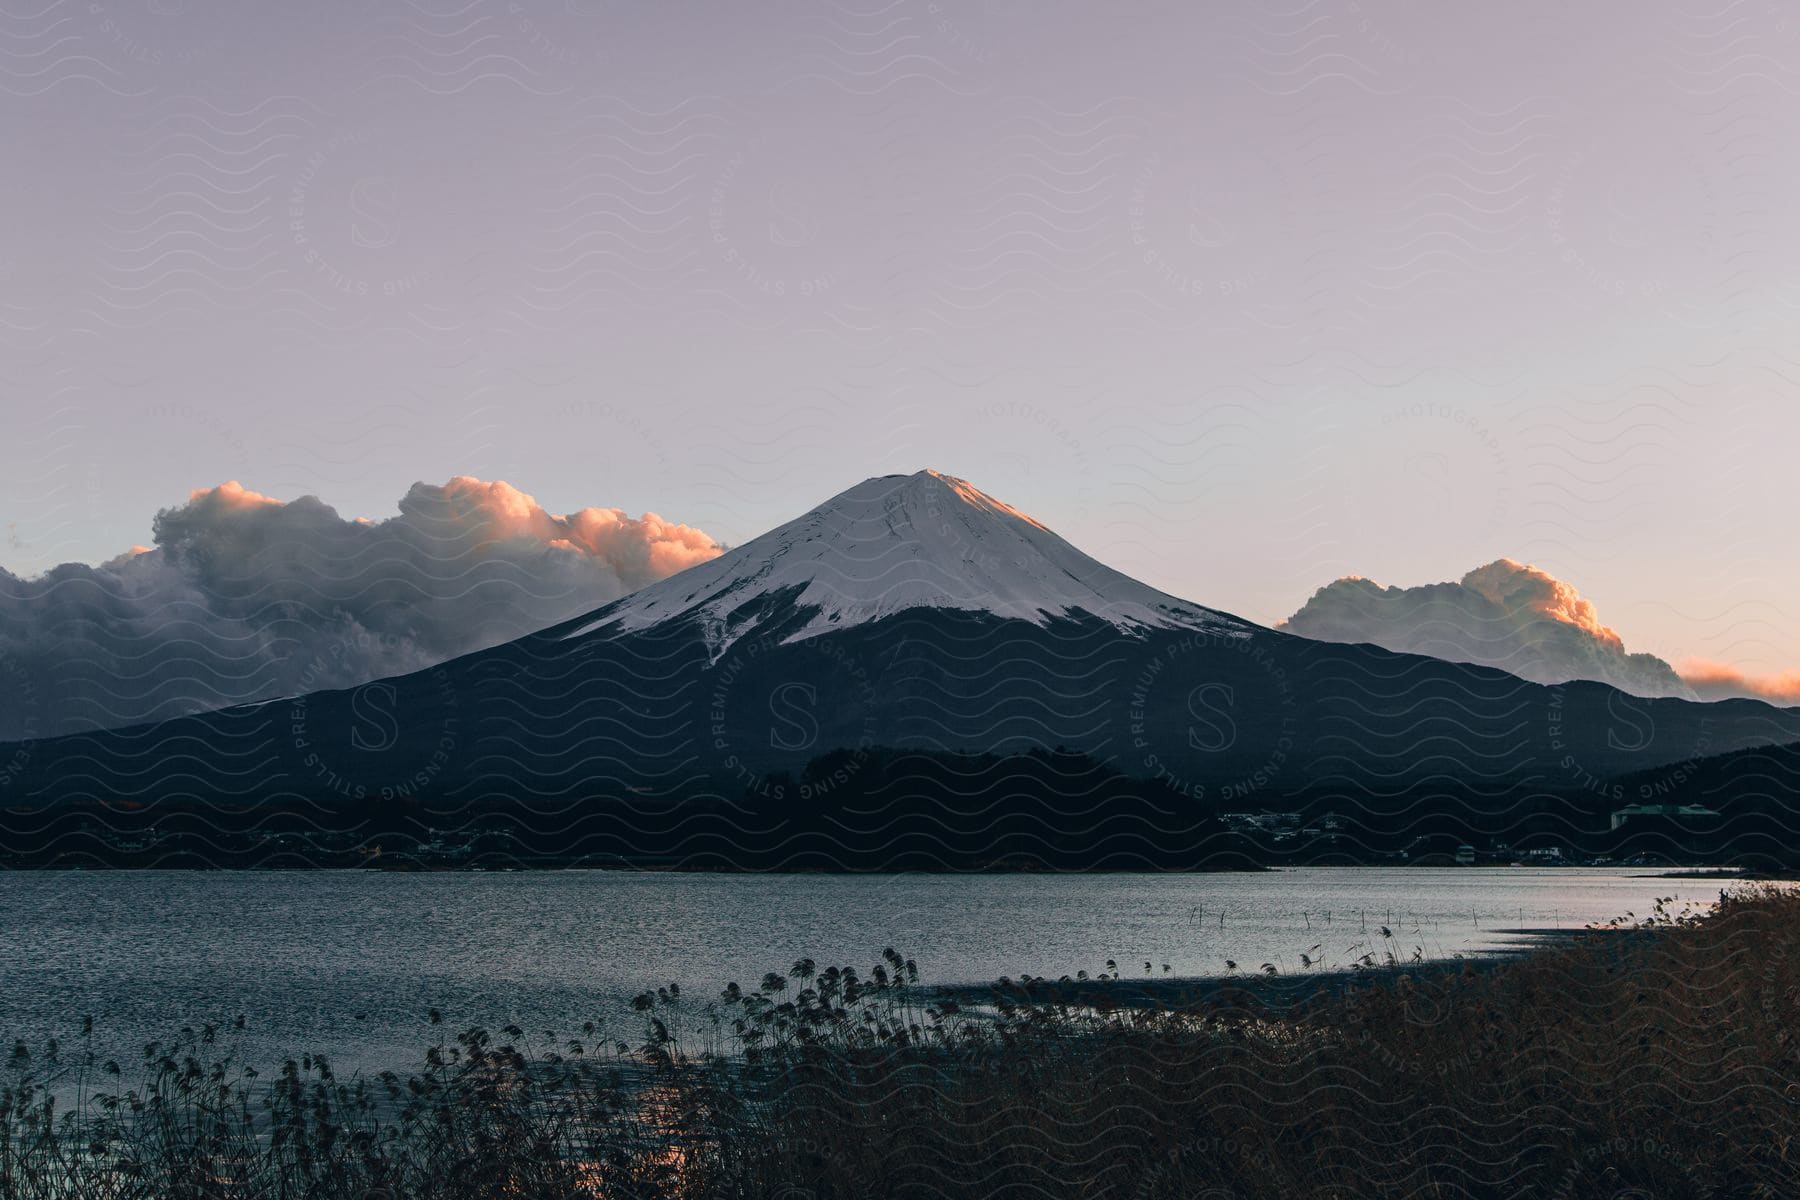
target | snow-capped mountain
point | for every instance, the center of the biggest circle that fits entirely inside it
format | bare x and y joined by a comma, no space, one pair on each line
782,696
894,543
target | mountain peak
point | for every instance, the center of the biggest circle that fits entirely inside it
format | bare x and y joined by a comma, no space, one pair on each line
932,489
971,495
893,543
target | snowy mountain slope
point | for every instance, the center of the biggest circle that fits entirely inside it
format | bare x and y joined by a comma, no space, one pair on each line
912,615
895,543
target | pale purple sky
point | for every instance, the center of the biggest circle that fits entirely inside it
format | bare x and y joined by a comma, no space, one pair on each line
1239,298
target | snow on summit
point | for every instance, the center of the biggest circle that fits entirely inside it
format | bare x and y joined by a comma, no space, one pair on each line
901,542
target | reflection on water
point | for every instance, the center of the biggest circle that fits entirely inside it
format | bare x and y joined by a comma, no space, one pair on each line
349,963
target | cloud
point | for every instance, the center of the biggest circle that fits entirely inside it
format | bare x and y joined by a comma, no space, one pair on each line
1505,614
1717,681
244,597
1526,590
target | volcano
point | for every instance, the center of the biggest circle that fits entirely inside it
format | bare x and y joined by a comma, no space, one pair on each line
894,544
913,673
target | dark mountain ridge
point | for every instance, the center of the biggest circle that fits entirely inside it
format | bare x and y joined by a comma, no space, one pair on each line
664,733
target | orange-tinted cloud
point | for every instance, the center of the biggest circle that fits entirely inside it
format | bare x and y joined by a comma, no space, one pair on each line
244,597
645,548
1717,681
1520,587
1506,614
230,495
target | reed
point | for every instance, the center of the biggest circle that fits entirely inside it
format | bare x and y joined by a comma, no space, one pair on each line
1658,1058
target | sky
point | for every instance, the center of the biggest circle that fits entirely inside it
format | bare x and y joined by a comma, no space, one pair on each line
1238,298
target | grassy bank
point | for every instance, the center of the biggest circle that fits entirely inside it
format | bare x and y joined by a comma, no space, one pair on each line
1658,1061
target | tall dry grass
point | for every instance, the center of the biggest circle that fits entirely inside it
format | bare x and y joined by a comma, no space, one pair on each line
1655,1061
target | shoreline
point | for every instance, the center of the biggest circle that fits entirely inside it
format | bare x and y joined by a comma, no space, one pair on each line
1560,1053
1673,871
1280,991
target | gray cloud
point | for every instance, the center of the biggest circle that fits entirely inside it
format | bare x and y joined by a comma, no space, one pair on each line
243,598
1506,614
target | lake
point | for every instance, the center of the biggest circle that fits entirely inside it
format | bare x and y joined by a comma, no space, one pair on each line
347,963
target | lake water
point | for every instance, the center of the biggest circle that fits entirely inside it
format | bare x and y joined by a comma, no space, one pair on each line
348,962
